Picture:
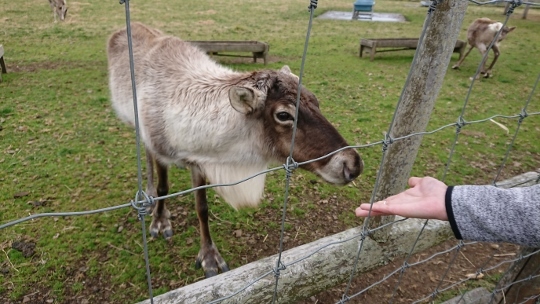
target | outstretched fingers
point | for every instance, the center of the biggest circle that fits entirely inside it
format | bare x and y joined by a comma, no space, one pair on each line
424,199
375,209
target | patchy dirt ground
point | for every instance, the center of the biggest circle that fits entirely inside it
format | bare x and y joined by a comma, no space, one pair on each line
418,281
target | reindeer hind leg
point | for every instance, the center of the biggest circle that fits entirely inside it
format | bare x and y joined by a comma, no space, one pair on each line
150,186
482,48
460,61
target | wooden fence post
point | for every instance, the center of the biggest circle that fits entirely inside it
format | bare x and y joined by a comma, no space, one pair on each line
417,101
522,270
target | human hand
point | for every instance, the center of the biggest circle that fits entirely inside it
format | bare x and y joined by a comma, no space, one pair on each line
425,199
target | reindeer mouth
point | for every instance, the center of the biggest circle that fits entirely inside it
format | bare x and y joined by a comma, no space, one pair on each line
342,168
350,175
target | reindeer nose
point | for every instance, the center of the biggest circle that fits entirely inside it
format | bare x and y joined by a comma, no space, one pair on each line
353,170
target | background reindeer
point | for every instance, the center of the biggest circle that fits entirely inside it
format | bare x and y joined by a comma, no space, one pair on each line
59,8
223,125
480,34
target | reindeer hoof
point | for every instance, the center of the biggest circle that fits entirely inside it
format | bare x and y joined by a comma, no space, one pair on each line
210,273
224,268
167,233
455,67
154,232
210,261
162,225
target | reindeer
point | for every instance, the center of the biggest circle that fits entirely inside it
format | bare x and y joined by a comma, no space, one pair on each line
223,125
59,8
480,34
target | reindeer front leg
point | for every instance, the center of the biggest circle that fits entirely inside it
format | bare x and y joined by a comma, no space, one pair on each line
150,188
483,51
208,258
160,214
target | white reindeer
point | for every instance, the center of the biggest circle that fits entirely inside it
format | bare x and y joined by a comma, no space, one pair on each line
480,34
59,8
223,125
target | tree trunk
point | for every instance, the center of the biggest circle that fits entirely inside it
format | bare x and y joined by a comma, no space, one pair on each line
416,104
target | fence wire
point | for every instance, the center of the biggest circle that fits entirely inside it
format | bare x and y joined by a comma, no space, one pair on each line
142,200
461,122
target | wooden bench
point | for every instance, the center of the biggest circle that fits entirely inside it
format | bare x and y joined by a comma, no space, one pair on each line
2,63
398,44
258,49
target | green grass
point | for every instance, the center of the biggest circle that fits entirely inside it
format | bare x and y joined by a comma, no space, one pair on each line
61,143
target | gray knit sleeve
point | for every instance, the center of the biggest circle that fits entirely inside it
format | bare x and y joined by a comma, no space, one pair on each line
488,213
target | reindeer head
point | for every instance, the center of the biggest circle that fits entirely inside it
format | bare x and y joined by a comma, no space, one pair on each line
59,8
270,97
504,32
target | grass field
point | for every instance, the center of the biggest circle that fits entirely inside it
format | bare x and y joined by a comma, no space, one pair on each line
63,149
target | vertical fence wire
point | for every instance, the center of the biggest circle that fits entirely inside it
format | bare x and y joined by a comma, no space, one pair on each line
479,272
452,261
291,164
523,115
142,200
388,140
461,121
499,288
141,207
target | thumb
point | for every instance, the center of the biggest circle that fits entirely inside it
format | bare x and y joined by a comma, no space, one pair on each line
413,181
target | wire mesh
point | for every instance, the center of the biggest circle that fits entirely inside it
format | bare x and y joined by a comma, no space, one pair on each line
142,200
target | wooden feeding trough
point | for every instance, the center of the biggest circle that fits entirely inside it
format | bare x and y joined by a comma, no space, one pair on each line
232,48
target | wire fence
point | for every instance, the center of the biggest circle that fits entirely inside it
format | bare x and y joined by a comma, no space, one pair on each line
142,200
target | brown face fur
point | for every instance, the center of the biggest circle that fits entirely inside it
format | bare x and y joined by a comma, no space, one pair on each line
315,135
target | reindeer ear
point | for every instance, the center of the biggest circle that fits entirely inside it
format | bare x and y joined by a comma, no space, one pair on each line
244,100
285,69
511,29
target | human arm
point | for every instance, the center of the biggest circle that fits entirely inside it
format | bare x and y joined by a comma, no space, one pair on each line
491,214
480,213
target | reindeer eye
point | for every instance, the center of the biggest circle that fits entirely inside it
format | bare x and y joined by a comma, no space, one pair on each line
284,116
